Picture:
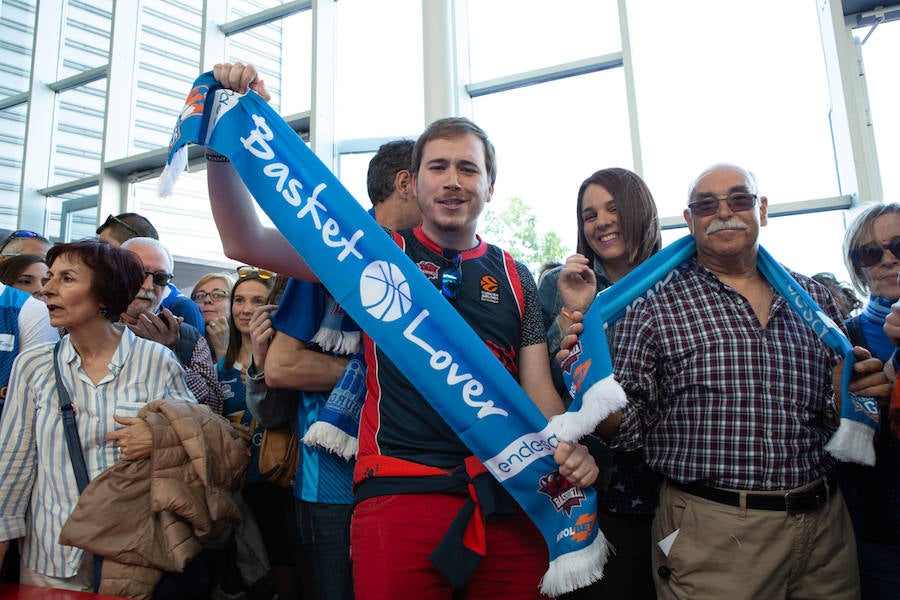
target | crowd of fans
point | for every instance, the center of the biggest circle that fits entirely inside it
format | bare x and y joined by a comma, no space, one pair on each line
712,482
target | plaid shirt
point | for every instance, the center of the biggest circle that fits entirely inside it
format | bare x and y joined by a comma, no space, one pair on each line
718,400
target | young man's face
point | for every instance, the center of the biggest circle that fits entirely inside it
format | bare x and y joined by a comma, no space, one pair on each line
452,184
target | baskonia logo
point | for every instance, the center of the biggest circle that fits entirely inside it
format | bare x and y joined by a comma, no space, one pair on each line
429,269
563,495
581,531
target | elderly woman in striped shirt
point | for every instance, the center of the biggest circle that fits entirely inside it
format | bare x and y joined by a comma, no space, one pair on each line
109,373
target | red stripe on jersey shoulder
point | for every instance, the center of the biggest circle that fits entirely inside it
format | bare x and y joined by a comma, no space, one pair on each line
515,282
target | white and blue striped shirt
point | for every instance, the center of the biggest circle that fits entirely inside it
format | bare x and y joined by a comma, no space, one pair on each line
37,484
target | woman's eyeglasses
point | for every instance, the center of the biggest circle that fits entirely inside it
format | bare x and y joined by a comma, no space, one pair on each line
19,235
113,219
451,279
246,271
870,254
160,278
214,296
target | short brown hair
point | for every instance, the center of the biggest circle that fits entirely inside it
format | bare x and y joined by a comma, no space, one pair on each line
452,127
116,274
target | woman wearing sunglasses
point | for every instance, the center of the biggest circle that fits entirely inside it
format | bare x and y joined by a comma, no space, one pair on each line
872,256
618,229
211,293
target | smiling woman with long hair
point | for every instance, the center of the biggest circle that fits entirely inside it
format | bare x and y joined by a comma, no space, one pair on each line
618,228
109,373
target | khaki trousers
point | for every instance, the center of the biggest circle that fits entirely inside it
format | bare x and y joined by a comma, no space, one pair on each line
723,551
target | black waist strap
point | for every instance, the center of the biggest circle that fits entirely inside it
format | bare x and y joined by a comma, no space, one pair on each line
797,502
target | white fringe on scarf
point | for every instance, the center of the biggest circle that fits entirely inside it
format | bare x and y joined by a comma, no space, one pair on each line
337,341
172,171
598,402
853,442
578,569
332,438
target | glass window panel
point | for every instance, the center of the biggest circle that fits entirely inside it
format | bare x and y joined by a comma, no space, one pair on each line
184,219
282,53
17,33
78,139
708,93
87,29
354,169
12,134
880,54
241,8
167,64
81,224
513,36
380,64
544,154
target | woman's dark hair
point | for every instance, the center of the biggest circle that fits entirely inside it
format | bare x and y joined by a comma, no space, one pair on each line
12,267
636,210
234,336
117,274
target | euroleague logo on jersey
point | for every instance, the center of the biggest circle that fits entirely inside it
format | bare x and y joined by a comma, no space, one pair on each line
490,289
384,291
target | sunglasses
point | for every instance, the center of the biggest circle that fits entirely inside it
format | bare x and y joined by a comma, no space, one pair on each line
215,296
870,254
19,235
708,204
246,271
160,278
112,219
451,279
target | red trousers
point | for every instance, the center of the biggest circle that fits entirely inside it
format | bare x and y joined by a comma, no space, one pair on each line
391,538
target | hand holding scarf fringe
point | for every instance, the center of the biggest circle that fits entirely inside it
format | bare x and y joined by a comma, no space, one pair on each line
588,371
387,295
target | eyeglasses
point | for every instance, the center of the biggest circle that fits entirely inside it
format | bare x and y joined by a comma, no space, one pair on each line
21,234
870,254
246,271
708,204
113,219
160,278
214,296
451,279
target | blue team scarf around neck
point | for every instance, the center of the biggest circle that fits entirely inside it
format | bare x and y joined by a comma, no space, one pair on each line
393,302
588,370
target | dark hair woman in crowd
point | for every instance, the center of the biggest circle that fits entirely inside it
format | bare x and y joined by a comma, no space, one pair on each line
109,374
25,272
618,229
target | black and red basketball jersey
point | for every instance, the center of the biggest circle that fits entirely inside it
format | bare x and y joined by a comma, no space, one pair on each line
396,420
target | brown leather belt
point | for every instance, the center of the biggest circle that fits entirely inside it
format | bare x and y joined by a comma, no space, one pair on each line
799,502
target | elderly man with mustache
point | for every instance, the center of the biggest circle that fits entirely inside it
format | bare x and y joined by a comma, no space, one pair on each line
733,397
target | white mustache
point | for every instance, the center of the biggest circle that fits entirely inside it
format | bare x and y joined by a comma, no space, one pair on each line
732,223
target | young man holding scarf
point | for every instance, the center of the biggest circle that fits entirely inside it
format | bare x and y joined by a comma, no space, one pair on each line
730,393
413,472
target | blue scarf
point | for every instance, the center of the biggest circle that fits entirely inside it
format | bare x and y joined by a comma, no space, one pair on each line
386,294
853,440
